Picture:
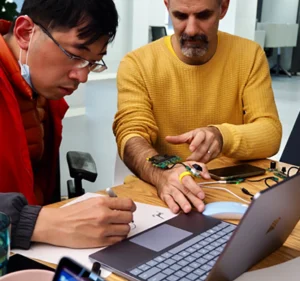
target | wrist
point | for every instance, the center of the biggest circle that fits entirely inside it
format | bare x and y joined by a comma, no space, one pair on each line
46,226
158,176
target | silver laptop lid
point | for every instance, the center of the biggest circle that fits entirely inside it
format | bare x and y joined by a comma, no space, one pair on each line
266,225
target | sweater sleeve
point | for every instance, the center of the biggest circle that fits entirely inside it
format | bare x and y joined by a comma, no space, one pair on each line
260,135
23,218
134,116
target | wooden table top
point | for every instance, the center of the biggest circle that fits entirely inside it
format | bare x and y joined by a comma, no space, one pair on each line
142,192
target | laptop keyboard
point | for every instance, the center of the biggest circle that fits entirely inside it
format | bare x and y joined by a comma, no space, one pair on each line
191,260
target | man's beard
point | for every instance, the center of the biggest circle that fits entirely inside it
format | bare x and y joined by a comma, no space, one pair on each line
196,49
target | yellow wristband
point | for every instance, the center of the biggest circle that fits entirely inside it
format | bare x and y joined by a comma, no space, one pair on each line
185,173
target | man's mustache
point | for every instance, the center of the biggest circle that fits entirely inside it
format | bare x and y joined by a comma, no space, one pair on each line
199,37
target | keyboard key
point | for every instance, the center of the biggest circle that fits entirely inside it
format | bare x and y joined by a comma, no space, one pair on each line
176,267
209,247
197,246
157,277
223,224
149,273
201,261
152,263
159,259
168,271
216,244
203,278
184,253
188,269
169,261
183,263
204,234
195,265
196,255
191,250
192,276
162,265
173,278
144,267
208,257
209,240
185,245
135,272
214,253
167,255
181,273
177,257
190,259
206,267
203,251
199,272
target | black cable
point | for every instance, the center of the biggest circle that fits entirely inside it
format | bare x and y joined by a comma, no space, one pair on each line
246,191
265,178
270,178
185,166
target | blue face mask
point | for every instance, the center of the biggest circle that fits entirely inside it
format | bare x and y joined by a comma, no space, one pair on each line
25,71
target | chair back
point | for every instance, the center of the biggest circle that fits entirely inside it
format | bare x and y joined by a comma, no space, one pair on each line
157,32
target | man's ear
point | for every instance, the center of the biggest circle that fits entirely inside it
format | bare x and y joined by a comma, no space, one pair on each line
23,29
166,3
224,8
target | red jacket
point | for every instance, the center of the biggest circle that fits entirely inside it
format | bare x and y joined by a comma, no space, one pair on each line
16,174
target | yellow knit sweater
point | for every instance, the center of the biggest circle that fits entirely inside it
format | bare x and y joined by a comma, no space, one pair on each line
159,95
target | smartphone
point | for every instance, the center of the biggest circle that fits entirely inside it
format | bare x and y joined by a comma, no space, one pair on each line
235,172
70,270
18,262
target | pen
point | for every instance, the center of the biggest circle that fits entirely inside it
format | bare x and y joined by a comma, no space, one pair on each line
111,193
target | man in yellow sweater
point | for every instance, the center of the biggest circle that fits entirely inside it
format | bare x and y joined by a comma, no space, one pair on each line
196,94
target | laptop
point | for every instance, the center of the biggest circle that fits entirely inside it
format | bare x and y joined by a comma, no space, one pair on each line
197,247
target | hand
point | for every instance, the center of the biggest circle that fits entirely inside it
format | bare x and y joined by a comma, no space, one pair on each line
205,143
181,195
96,222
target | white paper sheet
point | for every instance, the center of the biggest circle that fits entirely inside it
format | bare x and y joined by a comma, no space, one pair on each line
145,216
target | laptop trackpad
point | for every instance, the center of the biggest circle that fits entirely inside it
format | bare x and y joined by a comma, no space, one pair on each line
160,237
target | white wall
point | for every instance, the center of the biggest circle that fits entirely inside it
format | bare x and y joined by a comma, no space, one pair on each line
157,13
240,18
227,24
280,11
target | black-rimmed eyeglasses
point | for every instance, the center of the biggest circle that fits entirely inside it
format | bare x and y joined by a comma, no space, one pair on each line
82,63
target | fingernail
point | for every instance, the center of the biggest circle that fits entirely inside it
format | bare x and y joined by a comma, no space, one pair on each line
200,208
187,209
201,195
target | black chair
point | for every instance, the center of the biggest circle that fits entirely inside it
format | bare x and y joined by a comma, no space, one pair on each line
157,32
81,166
291,152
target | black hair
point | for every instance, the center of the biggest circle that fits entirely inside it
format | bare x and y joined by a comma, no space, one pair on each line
96,18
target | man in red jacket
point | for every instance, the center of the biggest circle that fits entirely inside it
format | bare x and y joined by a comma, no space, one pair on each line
44,55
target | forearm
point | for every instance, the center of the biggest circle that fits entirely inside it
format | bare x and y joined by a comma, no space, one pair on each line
260,139
137,150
